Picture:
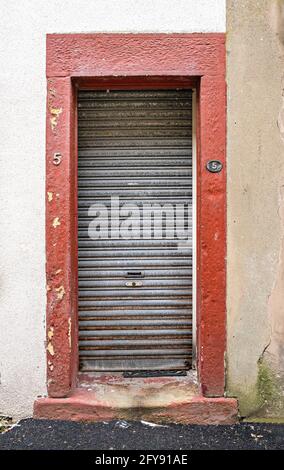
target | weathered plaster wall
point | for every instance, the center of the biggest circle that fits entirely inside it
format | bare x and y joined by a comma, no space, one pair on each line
255,152
24,25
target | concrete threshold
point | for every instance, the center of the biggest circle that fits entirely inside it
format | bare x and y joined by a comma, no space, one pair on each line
157,399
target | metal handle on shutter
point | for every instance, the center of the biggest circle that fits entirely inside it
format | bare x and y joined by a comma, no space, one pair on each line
134,284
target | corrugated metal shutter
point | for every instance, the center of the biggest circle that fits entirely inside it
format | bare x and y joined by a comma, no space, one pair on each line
136,145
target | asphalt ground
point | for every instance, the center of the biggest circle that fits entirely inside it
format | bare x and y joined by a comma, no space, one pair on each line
35,434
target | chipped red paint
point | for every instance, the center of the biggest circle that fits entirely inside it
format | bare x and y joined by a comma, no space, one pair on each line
135,61
211,237
87,406
60,237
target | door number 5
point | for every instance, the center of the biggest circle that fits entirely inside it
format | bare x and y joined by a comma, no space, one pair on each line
57,158
214,166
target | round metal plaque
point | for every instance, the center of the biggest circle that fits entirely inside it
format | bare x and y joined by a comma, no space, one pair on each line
214,166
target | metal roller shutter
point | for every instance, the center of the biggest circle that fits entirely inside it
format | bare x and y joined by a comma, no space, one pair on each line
136,145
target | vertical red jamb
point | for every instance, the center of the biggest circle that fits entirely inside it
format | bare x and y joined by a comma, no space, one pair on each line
211,286
89,60
61,236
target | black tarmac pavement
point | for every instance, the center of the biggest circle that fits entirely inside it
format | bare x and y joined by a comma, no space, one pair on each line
121,435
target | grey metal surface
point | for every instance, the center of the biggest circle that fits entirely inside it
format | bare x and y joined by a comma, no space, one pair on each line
136,145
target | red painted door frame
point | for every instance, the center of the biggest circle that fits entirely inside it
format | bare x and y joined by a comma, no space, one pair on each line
134,61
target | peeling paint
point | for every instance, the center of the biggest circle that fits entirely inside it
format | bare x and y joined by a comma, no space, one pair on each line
50,333
58,271
55,112
49,196
50,348
60,292
56,222
52,92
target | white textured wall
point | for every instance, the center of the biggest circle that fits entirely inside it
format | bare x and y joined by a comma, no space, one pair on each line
22,166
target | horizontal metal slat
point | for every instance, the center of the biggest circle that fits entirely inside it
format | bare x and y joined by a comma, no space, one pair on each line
141,323
141,184
105,323
143,253
129,243
107,164
106,115
133,263
133,192
136,344
94,275
129,302
111,364
133,94
127,143
122,124
186,202
133,292
174,283
136,352
134,173
147,313
135,152
143,134
135,104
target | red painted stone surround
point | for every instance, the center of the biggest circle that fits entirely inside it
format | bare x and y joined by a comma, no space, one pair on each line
134,61
84,406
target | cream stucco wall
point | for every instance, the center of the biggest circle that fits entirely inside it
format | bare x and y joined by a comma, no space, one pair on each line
24,25
255,156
